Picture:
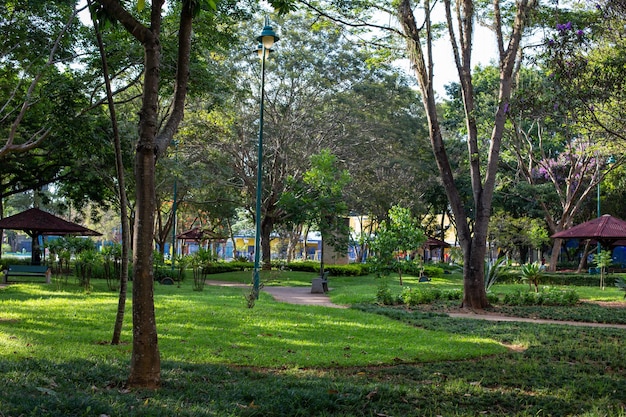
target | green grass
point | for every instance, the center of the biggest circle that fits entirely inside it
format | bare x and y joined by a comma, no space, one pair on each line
214,326
221,359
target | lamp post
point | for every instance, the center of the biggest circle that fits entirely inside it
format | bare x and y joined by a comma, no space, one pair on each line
266,40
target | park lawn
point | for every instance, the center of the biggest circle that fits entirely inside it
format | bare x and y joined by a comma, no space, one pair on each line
551,370
214,326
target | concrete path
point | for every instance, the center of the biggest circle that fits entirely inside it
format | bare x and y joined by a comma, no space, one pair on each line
291,295
300,295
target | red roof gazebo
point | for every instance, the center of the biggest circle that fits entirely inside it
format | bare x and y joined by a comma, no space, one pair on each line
36,222
605,229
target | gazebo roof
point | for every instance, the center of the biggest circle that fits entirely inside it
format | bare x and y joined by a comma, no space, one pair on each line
198,234
432,242
38,222
605,229
605,226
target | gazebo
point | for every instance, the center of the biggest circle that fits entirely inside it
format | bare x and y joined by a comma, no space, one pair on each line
434,246
198,236
607,230
36,223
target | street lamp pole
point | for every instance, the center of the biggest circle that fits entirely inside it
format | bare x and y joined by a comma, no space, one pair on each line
266,40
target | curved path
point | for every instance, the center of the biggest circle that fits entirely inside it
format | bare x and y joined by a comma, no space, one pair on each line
303,296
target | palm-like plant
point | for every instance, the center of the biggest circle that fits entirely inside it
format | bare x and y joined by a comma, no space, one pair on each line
493,271
532,273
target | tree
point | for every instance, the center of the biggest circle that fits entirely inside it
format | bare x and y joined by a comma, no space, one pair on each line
30,78
152,143
395,238
483,177
318,200
311,104
508,22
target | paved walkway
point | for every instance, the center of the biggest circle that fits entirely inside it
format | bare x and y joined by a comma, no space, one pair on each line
303,296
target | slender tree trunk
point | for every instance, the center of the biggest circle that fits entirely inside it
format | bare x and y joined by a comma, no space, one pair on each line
123,199
145,361
145,370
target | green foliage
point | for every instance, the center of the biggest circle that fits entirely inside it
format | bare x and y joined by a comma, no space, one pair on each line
200,261
400,233
86,261
532,273
414,296
549,296
603,260
495,270
334,270
383,294
111,259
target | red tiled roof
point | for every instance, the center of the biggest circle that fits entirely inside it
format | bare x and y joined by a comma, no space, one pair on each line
198,234
36,221
605,228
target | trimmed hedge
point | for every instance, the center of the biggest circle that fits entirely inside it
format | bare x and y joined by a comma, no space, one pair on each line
582,280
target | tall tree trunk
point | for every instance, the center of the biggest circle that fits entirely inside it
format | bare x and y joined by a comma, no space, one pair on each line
121,183
473,242
145,368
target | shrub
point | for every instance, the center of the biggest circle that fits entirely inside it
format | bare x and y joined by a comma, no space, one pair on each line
383,295
305,266
493,271
531,273
433,271
415,296
492,298
350,270
548,296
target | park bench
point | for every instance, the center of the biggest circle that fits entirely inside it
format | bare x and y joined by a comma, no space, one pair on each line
320,284
27,271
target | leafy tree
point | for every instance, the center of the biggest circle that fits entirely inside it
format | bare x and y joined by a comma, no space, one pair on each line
39,44
516,234
318,200
603,261
395,238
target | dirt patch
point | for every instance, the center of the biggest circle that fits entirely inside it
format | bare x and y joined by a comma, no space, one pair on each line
607,304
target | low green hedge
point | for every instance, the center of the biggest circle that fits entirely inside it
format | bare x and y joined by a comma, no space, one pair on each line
583,279
349,270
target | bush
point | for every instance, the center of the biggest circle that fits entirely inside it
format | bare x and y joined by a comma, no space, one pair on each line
415,296
350,270
383,295
492,298
304,266
549,296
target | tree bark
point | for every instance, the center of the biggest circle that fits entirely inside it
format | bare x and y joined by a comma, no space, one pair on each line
121,182
473,242
267,225
145,371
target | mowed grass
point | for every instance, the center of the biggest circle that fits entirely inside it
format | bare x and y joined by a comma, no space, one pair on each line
214,326
221,359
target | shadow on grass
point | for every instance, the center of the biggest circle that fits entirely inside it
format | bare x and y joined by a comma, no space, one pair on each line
544,379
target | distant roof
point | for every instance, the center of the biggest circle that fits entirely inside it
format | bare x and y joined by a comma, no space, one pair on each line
197,234
605,226
432,242
39,222
605,229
